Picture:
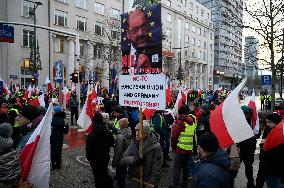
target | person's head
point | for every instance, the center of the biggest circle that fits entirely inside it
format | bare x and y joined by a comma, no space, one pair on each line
98,119
105,117
204,108
27,114
137,28
247,111
183,110
207,144
57,109
6,142
273,119
117,111
146,131
123,123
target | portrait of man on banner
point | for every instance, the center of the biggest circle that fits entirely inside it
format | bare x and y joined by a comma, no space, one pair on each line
141,41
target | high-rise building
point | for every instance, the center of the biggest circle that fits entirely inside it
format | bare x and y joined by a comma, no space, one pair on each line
189,32
251,53
228,19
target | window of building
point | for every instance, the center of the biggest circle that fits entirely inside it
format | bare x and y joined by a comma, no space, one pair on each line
60,18
99,8
199,30
211,47
59,45
168,33
211,35
98,51
191,5
202,12
27,7
204,56
193,41
211,69
199,55
211,57
99,28
115,14
179,31
186,38
193,53
81,49
169,17
204,45
81,23
208,16
199,43
193,28
114,33
197,9
62,1
81,4
28,38
204,33
186,25
185,53
169,3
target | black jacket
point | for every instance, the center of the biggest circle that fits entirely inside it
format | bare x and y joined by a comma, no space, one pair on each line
98,144
57,131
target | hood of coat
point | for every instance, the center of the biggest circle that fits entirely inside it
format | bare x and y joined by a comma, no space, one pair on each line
151,143
126,132
220,158
10,169
6,144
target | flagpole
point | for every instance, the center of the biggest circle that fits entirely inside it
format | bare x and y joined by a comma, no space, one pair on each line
141,145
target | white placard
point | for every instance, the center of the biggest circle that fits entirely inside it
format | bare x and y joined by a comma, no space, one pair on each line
143,91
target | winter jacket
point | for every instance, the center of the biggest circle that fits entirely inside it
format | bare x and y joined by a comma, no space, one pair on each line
73,104
203,124
160,127
107,105
152,165
213,171
10,169
98,144
27,131
122,141
178,127
57,131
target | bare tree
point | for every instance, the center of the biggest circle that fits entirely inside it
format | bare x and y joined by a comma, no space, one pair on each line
266,20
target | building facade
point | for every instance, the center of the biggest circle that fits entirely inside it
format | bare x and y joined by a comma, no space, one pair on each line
96,22
228,19
251,53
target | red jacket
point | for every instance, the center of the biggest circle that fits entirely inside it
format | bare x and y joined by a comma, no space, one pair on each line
179,126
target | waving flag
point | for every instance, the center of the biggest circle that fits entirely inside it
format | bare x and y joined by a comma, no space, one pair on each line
28,92
255,119
35,156
49,85
228,121
275,137
178,103
4,87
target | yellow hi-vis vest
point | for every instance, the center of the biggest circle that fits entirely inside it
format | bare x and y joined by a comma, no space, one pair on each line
269,98
185,139
16,124
116,124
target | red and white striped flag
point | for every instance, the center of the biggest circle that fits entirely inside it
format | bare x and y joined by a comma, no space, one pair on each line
255,119
35,156
275,137
228,121
48,83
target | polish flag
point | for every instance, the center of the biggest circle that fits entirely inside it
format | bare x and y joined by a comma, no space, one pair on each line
148,113
255,119
28,92
168,96
87,113
65,97
34,102
178,103
48,83
228,121
275,137
35,156
41,100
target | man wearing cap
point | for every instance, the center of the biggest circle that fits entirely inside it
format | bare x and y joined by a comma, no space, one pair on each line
152,158
214,163
182,144
119,113
29,119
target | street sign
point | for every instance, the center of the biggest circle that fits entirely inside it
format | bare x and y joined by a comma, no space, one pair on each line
266,80
13,77
58,71
6,33
35,74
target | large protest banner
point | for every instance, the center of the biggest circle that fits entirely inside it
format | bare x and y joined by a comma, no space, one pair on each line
143,91
141,41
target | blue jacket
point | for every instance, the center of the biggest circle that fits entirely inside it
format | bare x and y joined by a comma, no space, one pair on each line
213,171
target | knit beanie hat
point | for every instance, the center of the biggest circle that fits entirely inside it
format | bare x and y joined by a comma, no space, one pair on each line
183,110
6,130
274,118
246,109
57,109
98,118
30,112
146,127
6,142
208,142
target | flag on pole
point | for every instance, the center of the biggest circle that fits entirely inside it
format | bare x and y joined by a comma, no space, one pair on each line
49,85
255,119
35,156
228,121
275,137
28,92
178,103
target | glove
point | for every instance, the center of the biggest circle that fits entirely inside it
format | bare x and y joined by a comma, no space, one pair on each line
139,161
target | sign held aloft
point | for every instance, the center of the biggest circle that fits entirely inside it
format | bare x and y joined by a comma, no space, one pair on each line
143,91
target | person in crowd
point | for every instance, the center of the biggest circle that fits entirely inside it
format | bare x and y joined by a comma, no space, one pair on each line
58,129
271,163
98,146
262,98
203,124
29,119
73,104
182,145
123,139
10,169
247,149
160,127
133,114
152,159
197,111
214,163
107,104
118,113
234,154
169,120
14,121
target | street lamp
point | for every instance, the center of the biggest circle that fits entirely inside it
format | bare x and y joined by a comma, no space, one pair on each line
33,12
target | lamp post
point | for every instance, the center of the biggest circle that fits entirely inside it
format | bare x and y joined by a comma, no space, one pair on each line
33,12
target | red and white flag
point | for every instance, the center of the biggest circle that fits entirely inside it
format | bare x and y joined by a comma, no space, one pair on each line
275,137
87,113
255,119
48,83
35,156
228,121
28,92
178,103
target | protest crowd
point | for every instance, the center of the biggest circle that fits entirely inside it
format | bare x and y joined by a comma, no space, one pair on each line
203,155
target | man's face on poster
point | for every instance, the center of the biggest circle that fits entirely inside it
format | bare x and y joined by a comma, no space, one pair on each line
138,31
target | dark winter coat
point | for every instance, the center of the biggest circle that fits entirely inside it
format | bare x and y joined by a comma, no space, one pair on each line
213,171
107,105
98,144
203,124
73,104
57,131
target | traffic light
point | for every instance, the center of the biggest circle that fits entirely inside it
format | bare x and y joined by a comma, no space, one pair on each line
74,77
